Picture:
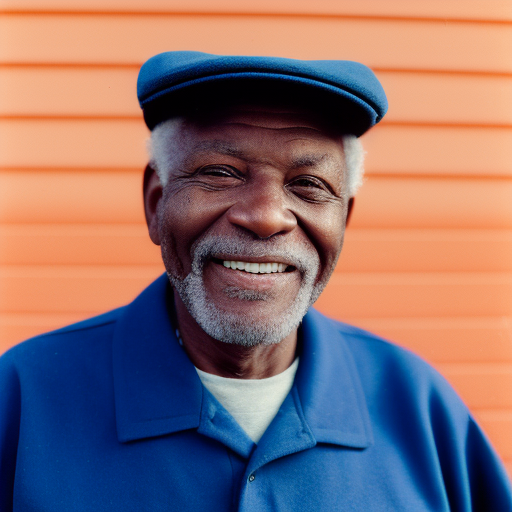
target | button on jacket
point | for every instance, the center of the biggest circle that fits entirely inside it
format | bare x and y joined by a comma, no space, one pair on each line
109,414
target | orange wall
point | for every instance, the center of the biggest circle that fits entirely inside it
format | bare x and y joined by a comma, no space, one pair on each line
428,256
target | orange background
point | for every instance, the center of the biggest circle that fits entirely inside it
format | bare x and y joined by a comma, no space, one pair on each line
428,255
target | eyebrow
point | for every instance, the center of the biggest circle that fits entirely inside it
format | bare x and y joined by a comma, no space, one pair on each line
308,160
220,146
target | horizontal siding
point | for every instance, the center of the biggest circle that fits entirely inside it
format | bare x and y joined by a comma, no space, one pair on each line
477,10
424,250
477,384
71,197
109,91
77,244
439,340
427,203
73,143
15,327
497,425
68,91
444,98
50,288
439,150
409,44
115,197
417,295
120,143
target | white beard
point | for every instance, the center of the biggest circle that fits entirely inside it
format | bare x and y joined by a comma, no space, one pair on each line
230,326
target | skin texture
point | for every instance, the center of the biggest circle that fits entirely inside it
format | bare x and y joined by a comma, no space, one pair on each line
267,180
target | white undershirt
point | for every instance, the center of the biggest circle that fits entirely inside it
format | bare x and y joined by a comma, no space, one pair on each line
252,402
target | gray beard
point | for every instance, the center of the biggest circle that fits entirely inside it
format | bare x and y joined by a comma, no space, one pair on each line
234,328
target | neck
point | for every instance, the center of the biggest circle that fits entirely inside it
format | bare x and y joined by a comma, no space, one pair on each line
231,360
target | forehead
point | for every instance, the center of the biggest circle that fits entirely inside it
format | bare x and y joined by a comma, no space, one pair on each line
255,127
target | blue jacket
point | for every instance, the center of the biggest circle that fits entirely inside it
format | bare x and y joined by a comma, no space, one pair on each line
109,414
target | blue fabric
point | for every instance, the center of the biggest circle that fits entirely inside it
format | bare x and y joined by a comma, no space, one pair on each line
109,414
168,74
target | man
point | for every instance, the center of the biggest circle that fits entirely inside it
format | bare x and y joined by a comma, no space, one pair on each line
217,389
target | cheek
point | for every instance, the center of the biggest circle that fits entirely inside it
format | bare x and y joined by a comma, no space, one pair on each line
326,230
169,249
184,217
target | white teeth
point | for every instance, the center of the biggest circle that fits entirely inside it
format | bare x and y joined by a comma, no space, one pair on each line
255,268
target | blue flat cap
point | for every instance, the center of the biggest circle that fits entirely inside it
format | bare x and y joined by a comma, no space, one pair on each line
346,93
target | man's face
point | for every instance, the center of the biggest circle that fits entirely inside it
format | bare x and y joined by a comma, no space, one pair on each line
251,221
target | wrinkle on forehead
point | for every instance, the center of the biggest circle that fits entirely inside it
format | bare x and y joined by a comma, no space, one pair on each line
232,149
220,146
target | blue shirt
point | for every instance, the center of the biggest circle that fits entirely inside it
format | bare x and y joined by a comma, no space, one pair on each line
109,414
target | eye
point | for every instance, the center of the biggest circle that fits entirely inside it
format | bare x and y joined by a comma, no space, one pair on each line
307,181
311,182
221,171
311,188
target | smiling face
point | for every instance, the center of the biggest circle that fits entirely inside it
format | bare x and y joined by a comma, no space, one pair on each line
251,219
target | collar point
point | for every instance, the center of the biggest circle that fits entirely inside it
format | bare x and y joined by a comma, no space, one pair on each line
346,439
155,428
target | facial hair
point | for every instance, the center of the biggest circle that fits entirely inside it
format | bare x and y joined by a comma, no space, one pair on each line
231,326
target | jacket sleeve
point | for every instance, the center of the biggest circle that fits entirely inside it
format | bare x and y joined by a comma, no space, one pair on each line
10,410
474,477
489,482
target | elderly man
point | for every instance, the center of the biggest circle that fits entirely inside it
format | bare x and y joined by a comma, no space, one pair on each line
218,388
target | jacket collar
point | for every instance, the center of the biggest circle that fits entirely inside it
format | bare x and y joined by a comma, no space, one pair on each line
156,387
157,390
329,385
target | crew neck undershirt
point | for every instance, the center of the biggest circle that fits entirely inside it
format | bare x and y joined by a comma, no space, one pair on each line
253,403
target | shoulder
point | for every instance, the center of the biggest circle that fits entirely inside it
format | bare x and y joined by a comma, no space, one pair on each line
412,406
389,371
68,342
73,362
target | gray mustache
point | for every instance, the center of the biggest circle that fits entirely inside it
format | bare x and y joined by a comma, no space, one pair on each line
300,256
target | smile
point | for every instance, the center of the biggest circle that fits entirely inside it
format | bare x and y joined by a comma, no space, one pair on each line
257,268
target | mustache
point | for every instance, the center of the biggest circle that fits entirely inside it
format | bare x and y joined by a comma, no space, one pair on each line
301,256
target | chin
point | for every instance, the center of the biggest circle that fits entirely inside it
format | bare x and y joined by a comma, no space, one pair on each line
240,327
236,313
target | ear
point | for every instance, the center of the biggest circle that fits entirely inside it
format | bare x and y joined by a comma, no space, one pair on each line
349,210
152,189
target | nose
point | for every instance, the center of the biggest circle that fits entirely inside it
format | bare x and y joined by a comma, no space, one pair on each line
262,209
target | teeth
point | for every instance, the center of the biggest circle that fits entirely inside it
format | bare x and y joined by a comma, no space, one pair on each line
255,268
